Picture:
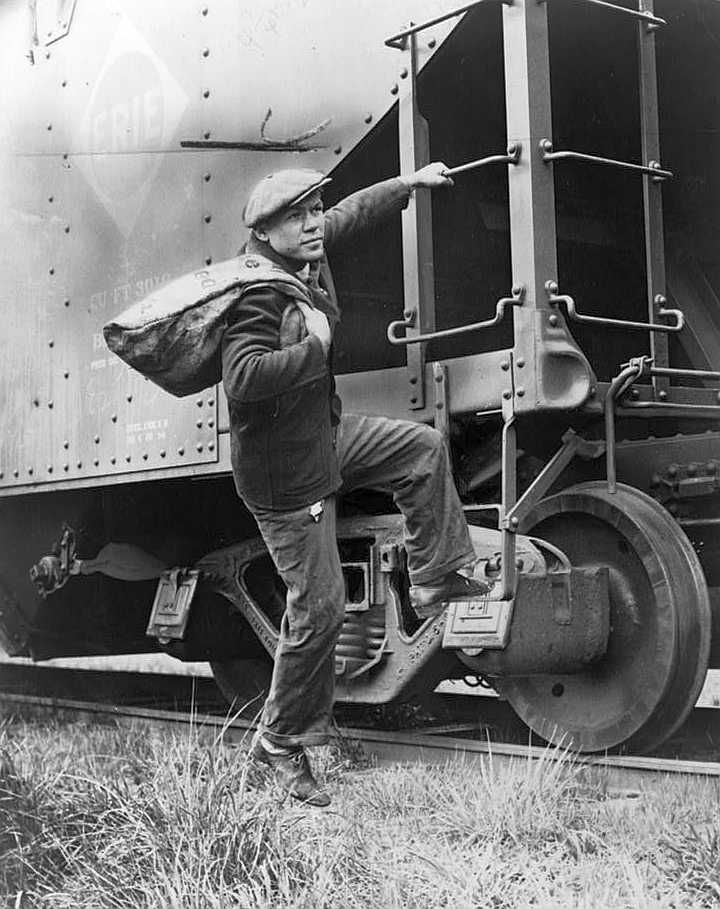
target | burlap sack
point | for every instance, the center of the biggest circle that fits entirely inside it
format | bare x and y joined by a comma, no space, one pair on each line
173,336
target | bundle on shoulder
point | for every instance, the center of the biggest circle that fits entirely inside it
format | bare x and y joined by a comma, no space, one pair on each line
173,336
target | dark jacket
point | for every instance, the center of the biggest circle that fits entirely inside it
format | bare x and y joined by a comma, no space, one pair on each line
282,400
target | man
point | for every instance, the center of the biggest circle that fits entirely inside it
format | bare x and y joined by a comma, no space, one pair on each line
292,451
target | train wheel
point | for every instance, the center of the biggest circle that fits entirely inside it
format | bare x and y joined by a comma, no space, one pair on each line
648,681
245,683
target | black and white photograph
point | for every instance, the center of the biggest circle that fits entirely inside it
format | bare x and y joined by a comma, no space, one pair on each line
360,454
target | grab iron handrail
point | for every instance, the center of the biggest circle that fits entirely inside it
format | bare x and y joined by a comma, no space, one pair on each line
399,41
653,168
555,298
518,294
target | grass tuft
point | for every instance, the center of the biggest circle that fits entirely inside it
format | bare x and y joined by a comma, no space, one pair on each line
104,818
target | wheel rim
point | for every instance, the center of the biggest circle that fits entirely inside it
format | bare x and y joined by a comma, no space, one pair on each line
640,692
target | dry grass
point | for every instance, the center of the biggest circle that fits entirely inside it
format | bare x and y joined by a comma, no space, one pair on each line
105,817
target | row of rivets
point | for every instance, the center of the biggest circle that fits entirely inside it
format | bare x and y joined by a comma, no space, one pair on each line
112,459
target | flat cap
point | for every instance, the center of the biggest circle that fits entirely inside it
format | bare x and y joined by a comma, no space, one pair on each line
280,190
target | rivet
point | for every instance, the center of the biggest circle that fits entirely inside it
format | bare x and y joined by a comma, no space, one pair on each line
50,470
553,320
514,522
66,467
439,405
66,302
519,564
96,440
47,54
634,394
66,375
692,470
51,343
593,391
338,150
66,445
505,365
439,378
210,402
36,402
65,156
181,451
431,43
64,83
199,402
403,73
30,470
413,400
51,271
113,459
50,405
208,260
16,473
2,475
507,394
672,470
162,452
210,424
206,177
206,93
211,446
128,458
199,446
204,10
394,90
368,118
662,394
67,228
199,424
206,52
129,398
520,363
96,462
521,392
145,456
51,198
49,127
413,380
207,219
207,134
114,418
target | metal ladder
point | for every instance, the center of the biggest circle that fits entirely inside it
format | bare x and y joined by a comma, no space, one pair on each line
535,294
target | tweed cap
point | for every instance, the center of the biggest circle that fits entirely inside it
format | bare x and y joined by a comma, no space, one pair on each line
280,190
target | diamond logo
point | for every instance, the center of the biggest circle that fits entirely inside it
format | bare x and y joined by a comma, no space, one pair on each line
133,113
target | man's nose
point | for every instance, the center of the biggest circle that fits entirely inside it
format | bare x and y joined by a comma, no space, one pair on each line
313,221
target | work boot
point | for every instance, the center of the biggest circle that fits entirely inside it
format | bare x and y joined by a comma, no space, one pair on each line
292,772
429,599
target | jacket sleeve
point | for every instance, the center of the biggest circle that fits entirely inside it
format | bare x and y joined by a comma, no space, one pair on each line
358,211
254,367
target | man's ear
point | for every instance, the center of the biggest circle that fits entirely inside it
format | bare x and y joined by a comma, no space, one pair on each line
261,233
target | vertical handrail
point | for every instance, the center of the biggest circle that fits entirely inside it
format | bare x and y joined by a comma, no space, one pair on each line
418,265
652,193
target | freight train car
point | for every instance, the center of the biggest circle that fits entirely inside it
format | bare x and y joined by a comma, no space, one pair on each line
555,315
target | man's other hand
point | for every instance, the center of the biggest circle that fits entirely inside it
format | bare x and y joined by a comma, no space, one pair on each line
317,324
430,176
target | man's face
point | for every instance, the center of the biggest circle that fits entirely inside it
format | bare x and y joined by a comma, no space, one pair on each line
297,232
